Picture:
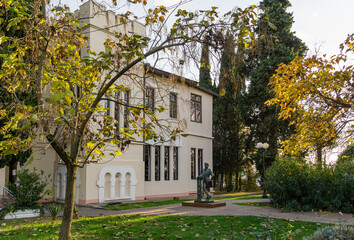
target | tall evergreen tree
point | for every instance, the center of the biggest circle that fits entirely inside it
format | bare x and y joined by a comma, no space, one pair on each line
228,127
204,70
276,44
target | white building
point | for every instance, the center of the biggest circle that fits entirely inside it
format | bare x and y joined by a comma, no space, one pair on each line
146,169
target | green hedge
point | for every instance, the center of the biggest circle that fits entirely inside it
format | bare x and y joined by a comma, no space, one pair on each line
295,185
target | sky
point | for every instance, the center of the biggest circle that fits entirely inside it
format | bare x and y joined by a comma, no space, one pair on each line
322,24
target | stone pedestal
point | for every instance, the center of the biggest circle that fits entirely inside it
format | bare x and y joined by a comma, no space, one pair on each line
211,204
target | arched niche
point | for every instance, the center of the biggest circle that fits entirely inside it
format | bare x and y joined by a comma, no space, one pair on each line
117,180
60,184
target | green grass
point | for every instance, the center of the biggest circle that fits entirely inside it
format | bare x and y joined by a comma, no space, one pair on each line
254,204
125,206
160,227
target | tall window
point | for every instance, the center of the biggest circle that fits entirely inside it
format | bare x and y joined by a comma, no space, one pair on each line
149,98
157,163
173,105
196,108
147,160
200,161
193,173
126,108
107,105
116,111
175,163
167,163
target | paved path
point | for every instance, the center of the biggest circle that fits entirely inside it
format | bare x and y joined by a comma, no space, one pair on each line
229,209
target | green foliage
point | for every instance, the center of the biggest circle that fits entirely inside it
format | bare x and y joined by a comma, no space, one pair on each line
76,211
295,185
204,70
275,45
3,212
346,155
29,188
229,132
54,210
334,233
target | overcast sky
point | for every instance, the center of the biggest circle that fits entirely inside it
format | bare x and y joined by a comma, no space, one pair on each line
324,23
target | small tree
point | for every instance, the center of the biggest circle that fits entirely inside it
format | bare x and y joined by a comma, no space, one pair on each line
29,188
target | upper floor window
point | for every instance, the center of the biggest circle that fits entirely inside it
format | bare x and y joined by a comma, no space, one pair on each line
149,98
173,105
196,108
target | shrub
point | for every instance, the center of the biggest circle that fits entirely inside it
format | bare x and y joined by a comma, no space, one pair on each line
295,185
337,232
28,189
76,212
54,209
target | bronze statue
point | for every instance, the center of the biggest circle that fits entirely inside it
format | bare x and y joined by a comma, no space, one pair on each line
206,176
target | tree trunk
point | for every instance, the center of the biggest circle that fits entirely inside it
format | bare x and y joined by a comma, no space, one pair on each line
69,203
221,182
12,176
229,188
319,156
236,181
239,182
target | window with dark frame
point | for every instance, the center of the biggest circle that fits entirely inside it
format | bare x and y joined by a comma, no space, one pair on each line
77,92
147,160
175,163
126,108
193,172
107,105
157,163
173,105
200,161
167,163
149,98
117,111
196,108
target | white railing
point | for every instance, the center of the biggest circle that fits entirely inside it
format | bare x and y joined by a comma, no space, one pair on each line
6,196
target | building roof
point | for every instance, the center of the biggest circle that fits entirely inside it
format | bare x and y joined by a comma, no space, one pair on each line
189,82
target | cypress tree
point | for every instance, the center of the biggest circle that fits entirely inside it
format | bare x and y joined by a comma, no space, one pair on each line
276,44
228,134
204,70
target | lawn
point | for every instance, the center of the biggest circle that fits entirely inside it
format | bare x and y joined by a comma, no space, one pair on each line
161,227
232,196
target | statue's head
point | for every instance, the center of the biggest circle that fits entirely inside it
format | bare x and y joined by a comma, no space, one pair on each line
206,165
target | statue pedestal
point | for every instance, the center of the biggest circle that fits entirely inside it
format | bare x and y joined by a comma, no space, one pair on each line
203,204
